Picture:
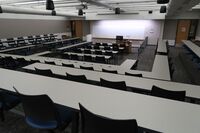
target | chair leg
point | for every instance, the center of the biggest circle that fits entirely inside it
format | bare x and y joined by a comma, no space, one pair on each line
2,115
75,123
51,131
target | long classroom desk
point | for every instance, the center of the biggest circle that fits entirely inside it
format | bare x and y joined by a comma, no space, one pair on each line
162,47
131,81
61,41
107,57
154,113
71,46
195,48
17,48
99,66
126,65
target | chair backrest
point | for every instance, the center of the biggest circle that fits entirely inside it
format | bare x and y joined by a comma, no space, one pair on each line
50,62
68,65
78,78
96,47
136,75
22,60
87,68
87,51
45,72
101,59
92,123
98,52
135,65
87,57
104,44
39,109
120,85
109,71
34,61
74,56
109,53
174,95
107,48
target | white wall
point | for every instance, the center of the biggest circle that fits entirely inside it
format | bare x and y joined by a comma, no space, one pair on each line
132,29
24,25
170,29
198,32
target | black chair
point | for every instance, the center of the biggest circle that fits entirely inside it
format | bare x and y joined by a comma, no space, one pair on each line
115,48
7,102
68,65
136,75
77,50
98,52
96,47
31,40
109,53
22,62
44,72
87,51
98,44
119,85
46,38
87,58
10,63
134,67
107,48
74,56
174,95
41,113
88,47
100,59
77,78
50,62
21,41
104,44
38,39
11,42
93,123
86,68
65,56
34,61
109,71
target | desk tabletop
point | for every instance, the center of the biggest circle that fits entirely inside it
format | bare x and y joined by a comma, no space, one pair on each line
93,50
162,47
195,48
131,81
74,45
62,40
161,67
97,66
150,112
93,55
17,48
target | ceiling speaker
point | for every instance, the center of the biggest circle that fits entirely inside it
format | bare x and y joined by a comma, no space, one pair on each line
163,9
162,1
150,12
117,10
49,5
80,12
1,10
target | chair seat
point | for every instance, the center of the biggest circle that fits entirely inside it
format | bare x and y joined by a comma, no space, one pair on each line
10,101
42,125
64,113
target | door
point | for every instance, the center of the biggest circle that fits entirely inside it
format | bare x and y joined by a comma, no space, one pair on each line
182,31
77,28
